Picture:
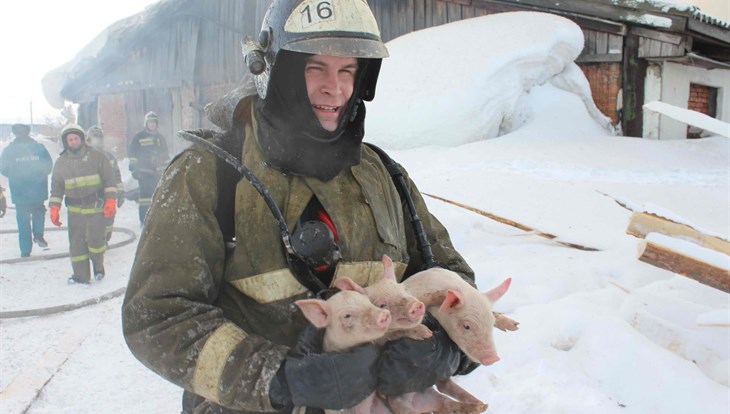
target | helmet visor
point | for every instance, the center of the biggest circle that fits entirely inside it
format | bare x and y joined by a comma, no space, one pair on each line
340,46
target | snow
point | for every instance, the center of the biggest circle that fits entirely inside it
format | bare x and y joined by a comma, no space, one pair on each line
601,332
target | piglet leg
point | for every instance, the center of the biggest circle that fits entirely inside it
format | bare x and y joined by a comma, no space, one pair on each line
454,391
504,323
432,401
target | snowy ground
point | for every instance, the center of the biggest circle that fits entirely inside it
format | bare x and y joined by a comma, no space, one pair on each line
600,331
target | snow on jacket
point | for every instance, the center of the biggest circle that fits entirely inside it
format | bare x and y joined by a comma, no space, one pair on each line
147,152
27,164
85,178
221,330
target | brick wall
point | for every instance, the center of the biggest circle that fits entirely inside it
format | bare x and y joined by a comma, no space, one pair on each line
112,115
605,81
701,100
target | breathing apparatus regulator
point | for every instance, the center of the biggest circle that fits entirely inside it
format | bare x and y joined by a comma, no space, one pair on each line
345,28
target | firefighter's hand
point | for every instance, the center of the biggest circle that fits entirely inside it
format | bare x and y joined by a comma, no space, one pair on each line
110,207
55,215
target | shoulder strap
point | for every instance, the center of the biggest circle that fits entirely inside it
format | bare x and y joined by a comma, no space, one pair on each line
405,194
227,177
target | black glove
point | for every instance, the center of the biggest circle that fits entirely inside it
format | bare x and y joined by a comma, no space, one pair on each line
135,175
328,380
409,365
120,201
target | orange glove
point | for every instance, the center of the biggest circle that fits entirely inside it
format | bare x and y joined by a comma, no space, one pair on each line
110,207
55,218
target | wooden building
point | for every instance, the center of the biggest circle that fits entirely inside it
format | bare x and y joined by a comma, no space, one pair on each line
178,55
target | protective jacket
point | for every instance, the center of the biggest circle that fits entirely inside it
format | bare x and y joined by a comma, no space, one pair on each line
85,178
147,153
117,173
221,329
27,164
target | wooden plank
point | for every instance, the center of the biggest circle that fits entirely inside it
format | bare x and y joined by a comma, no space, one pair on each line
453,12
394,21
601,43
643,223
440,15
615,44
467,12
429,7
657,35
419,14
590,38
677,262
410,15
609,57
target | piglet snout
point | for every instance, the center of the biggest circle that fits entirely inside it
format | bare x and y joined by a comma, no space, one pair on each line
416,311
382,319
489,360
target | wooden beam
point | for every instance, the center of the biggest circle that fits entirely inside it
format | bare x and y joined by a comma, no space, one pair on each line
664,257
657,35
643,223
610,57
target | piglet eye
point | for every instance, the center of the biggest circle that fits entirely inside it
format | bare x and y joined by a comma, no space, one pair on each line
382,306
347,316
467,326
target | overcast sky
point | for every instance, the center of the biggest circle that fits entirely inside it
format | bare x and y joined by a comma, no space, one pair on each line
37,36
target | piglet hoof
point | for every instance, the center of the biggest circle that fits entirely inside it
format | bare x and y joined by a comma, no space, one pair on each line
504,323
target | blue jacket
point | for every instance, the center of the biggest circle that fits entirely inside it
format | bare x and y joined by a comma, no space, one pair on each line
27,164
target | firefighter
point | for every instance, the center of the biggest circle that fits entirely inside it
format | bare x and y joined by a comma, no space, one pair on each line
84,179
27,164
95,139
148,157
222,323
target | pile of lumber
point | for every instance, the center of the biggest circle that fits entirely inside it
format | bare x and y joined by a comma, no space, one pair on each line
682,249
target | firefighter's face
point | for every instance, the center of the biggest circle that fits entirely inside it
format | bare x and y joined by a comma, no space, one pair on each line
73,140
330,83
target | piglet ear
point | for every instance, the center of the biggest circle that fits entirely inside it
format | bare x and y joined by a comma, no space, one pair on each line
388,268
496,293
316,311
453,301
345,283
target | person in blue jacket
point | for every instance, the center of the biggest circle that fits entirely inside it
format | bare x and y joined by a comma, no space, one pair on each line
27,164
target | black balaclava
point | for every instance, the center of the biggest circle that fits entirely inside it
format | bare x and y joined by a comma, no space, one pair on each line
289,133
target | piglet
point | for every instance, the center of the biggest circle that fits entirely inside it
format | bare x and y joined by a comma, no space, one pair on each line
405,310
466,315
349,320
463,311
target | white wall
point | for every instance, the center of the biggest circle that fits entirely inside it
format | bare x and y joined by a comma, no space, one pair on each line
669,83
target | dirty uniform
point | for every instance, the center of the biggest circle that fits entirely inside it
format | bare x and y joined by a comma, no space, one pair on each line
225,333
27,164
85,179
109,221
148,158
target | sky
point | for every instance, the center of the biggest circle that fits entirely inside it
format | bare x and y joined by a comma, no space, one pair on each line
36,36
600,331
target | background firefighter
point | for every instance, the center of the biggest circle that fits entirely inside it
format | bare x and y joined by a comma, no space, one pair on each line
95,139
148,158
85,178
27,164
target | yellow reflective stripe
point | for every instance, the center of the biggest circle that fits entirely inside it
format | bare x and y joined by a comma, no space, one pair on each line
81,210
110,190
132,160
213,357
270,287
97,250
75,259
145,201
80,182
146,142
366,273
55,200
